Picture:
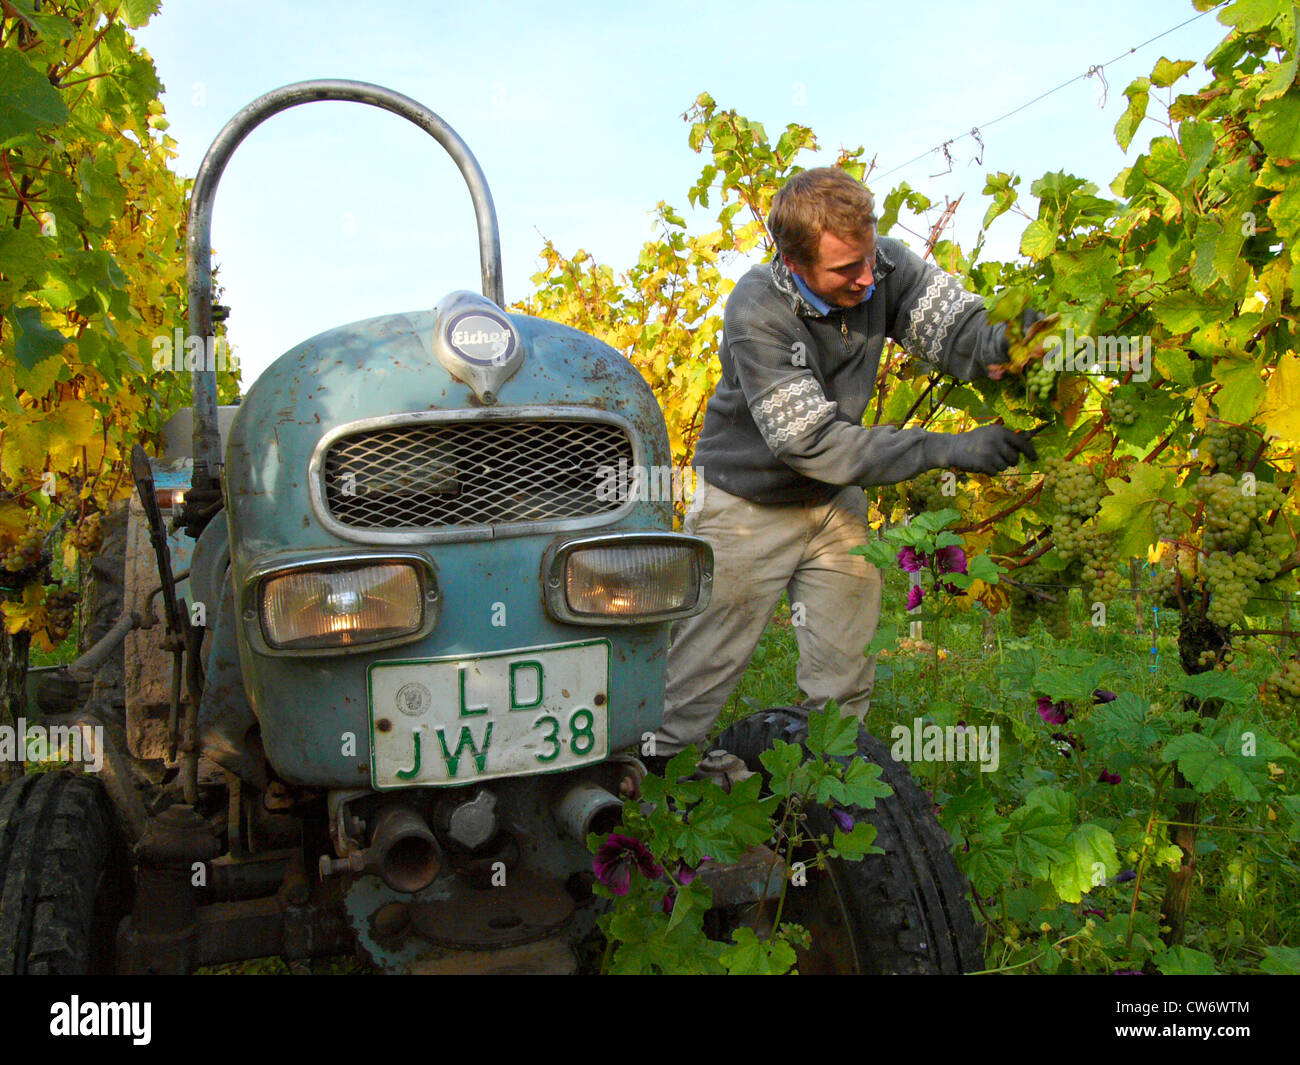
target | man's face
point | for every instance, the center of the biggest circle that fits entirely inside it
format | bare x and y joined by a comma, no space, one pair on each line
842,273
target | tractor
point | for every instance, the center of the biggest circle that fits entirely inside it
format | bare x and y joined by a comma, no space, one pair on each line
373,656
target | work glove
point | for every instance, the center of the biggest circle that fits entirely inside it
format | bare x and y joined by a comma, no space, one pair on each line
988,449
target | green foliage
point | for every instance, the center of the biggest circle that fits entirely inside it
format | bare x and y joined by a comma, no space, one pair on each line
657,926
93,271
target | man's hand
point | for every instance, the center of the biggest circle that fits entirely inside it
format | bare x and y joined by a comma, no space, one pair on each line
989,449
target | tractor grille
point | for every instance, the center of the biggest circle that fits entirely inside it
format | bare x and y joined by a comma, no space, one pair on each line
474,473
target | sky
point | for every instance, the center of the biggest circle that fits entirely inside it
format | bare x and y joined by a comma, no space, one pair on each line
334,212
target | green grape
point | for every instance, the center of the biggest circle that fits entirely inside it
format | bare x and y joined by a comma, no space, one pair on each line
1224,445
1121,410
1282,686
925,493
1040,382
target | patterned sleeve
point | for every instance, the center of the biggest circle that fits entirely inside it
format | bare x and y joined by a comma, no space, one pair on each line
791,409
936,319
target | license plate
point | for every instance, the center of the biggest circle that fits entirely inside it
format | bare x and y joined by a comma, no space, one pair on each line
440,721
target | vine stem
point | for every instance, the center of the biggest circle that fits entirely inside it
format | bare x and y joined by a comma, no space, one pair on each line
1142,864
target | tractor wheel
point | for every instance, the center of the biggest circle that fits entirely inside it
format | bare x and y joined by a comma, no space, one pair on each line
63,876
904,911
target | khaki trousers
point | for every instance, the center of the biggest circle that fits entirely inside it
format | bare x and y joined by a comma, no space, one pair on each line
759,552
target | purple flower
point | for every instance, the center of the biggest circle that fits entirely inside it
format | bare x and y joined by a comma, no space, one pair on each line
1051,713
615,859
951,559
914,597
1096,912
1063,743
1101,695
1125,876
911,561
1107,777
843,818
948,587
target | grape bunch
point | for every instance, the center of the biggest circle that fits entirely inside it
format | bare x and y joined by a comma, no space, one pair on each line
60,612
1039,382
1078,491
1164,587
1224,445
87,536
1026,605
1240,550
1169,523
26,555
1121,410
1101,576
925,493
1282,686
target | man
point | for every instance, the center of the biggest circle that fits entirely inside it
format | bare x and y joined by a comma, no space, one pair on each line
783,454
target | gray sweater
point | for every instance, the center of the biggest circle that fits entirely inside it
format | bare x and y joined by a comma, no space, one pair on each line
785,421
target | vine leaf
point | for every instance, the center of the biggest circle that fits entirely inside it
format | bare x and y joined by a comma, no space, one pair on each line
1128,510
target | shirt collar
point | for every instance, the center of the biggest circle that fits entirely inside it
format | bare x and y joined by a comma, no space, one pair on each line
810,297
804,300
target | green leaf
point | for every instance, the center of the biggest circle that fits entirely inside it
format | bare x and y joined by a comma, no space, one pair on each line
862,784
1127,722
782,760
34,341
1038,831
138,12
886,636
1281,961
752,956
829,732
855,845
1185,961
1243,389
1181,312
1128,510
1214,684
1138,94
1090,862
1038,240
1277,127
1252,15
1197,139
27,99
1167,71
1069,684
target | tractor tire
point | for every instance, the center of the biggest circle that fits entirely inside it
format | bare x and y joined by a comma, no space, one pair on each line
64,880
904,911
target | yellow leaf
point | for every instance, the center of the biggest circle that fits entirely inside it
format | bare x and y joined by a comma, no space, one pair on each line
1200,410
1281,410
13,521
28,613
73,427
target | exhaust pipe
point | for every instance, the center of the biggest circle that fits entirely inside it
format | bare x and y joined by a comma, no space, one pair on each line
403,850
587,808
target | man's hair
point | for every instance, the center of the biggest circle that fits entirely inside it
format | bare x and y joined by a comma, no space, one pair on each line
823,200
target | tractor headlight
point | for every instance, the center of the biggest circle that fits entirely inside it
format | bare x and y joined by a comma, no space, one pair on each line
332,605
629,578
